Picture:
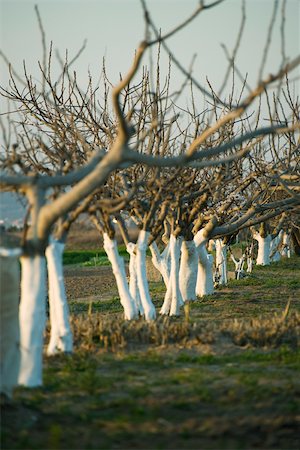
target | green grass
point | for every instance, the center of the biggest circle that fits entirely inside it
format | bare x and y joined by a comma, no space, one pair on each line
90,257
223,376
170,400
103,306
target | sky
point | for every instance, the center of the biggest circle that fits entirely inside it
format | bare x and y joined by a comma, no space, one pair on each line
114,28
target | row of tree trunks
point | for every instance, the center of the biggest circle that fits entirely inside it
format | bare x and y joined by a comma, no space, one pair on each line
186,268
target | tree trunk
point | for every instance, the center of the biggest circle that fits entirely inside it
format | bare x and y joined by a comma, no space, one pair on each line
221,261
133,281
188,270
32,316
9,322
141,247
249,253
173,298
239,265
205,282
296,240
274,247
161,261
177,300
264,245
61,338
118,267
286,245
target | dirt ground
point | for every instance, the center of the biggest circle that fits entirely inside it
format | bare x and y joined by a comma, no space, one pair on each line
89,283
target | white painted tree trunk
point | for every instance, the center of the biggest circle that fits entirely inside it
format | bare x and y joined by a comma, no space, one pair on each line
249,264
264,245
286,245
205,282
118,267
274,247
163,264
239,265
133,282
161,261
141,247
249,253
173,298
9,319
221,261
177,300
188,270
61,337
32,317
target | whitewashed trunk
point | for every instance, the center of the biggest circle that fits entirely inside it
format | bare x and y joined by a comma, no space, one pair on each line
286,245
118,267
177,300
133,282
173,298
141,247
32,319
163,264
61,337
9,320
249,253
188,270
162,261
274,247
264,246
239,265
221,261
249,264
205,282
166,306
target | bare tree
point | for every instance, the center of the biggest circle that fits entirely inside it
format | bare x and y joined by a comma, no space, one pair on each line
62,121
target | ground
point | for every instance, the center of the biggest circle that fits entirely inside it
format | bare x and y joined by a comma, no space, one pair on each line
225,375
90,283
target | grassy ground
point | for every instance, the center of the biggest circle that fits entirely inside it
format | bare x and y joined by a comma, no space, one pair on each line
225,375
90,257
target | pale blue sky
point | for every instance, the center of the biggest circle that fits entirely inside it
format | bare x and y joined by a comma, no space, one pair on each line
113,29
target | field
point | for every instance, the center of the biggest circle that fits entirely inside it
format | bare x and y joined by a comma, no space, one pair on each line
225,375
